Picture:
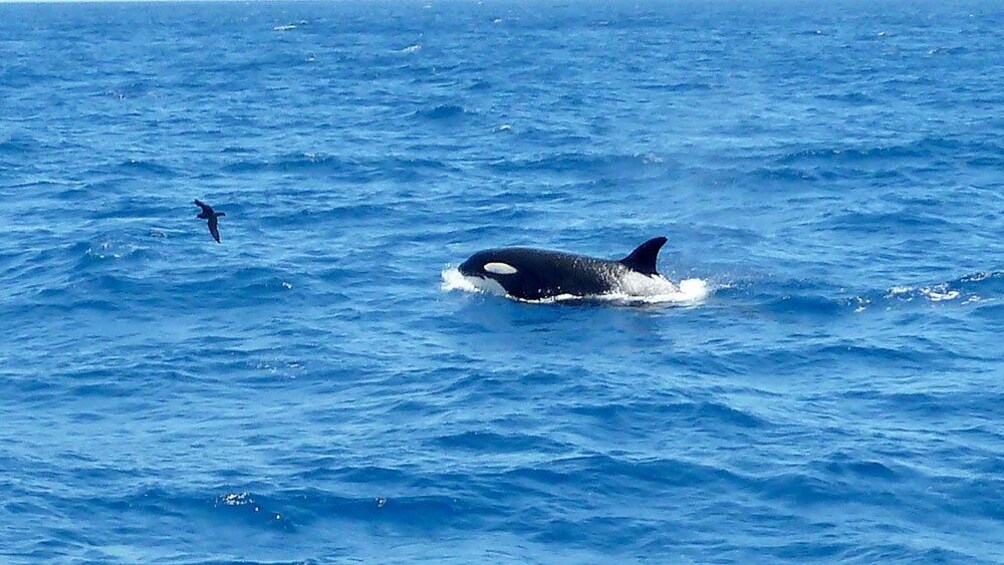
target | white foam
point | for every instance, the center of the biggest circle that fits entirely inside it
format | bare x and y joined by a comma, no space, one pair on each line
412,49
453,280
657,289
937,293
286,27
635,288
898,290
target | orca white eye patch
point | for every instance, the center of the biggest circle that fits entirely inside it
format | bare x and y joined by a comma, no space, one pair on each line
500,268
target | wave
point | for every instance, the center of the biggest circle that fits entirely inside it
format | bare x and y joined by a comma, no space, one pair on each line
292,162
290,26
684,413
968,289
802,298
148,168
359,169
919,149
586,163
443,112
18,144
480,84
684,86
128,275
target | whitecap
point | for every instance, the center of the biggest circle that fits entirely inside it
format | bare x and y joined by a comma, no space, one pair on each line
940,294
411,49
235,499
936,293
453,280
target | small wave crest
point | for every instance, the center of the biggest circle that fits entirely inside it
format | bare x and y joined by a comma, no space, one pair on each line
242,504
581,162
453,280
443,112
981,287
150,168
635,288
936,293
976,287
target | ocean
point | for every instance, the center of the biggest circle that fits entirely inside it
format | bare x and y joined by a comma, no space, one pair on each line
314,389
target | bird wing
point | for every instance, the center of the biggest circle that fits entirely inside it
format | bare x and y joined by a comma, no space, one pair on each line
205,207
214,228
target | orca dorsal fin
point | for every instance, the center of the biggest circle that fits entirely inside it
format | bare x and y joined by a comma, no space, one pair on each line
644,257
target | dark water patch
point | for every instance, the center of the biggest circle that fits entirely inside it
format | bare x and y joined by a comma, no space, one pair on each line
941,404
146,168
844,465
410,512
809,305
444,113
642,415
995,162
920,149
786,174
977,497
611,470
239,150
480,85
803,489
18,144
39,185
683,86
585,164
354,169
490,442
297,162
877,221
345,214
881,355
373,474
100,390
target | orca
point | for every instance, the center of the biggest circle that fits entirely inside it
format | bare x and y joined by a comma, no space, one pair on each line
537,274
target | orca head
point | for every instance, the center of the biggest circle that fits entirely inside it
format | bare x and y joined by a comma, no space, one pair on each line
490,267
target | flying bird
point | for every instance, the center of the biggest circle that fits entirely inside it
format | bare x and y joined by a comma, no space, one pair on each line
209,214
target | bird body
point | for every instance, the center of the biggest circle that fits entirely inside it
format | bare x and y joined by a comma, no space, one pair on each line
209,214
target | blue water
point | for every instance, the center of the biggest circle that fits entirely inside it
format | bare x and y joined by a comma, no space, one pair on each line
308,391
